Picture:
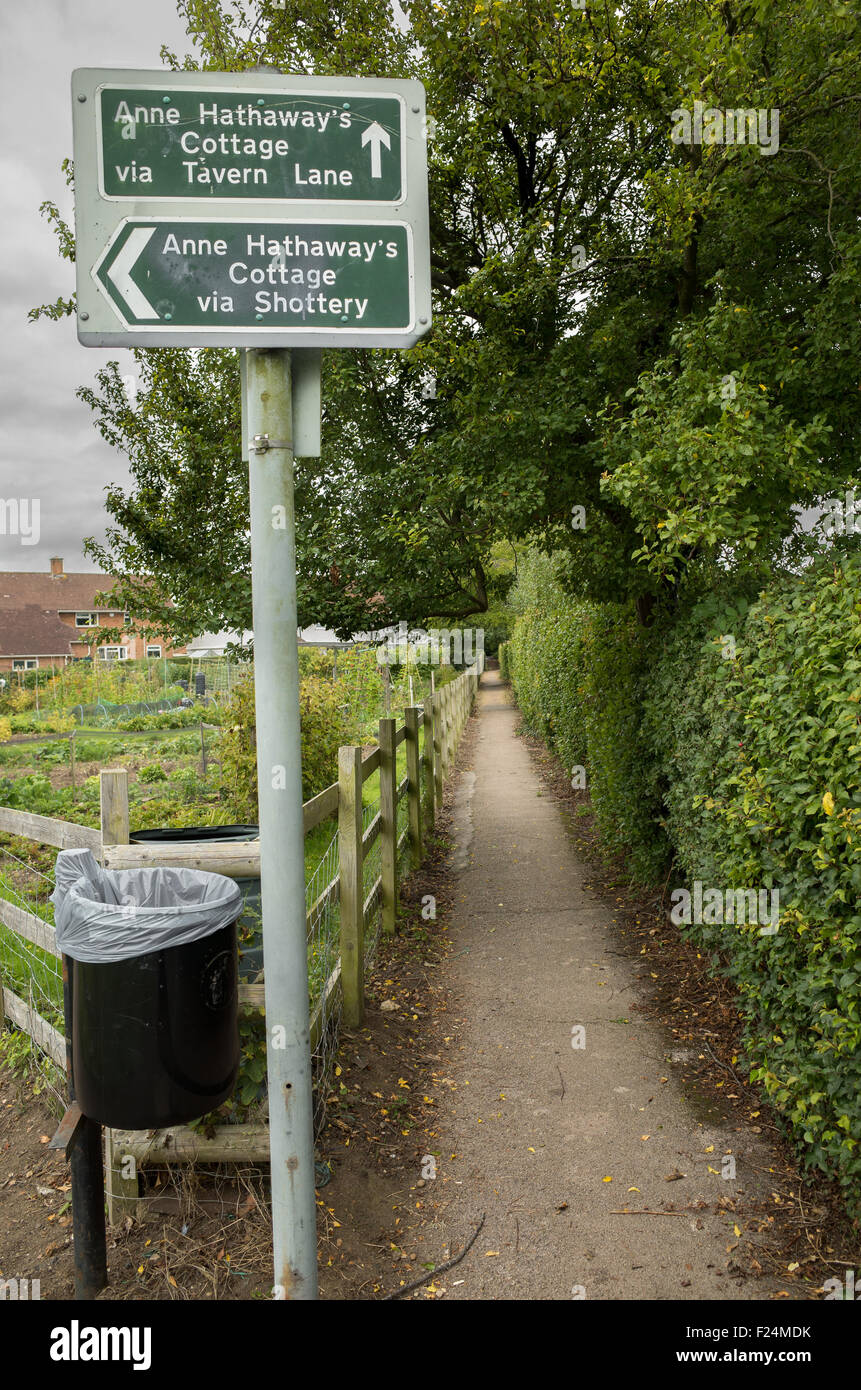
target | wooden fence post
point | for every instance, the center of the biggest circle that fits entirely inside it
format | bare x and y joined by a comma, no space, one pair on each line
350,853
428,758
121,1177
455,730
438,768
414,806
389,824
114,802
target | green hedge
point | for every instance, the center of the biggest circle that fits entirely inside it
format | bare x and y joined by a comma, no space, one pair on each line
761,759
727,742
578,673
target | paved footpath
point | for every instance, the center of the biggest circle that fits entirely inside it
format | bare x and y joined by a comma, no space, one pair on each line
539,1126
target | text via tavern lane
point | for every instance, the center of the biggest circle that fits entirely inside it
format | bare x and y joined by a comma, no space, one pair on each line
313,147
224,275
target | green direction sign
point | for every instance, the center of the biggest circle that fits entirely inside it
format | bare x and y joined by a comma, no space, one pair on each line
221,276
167,142
250,209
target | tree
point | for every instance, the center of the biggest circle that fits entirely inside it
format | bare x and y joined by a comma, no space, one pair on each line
597,282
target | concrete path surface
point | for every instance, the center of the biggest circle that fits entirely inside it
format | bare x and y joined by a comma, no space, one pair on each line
550,1139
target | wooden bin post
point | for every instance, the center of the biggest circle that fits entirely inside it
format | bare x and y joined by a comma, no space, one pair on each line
114,802
121,1177
428,758
350,853
414,806
389,824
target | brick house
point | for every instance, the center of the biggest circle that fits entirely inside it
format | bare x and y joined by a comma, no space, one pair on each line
51,619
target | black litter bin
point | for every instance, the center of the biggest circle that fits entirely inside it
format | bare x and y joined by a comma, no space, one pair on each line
250,925
154,1033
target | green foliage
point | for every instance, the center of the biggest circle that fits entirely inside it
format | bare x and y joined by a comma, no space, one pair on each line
577,671
170,719
761,758
152,772
30,793
97,750
322,734
707,458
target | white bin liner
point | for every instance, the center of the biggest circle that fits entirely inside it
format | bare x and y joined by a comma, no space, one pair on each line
115,914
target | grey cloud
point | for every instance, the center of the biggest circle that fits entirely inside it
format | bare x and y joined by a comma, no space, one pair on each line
49,447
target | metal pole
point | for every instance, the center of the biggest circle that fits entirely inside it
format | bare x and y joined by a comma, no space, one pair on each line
282,843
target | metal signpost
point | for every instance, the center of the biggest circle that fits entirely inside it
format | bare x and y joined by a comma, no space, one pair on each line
267,213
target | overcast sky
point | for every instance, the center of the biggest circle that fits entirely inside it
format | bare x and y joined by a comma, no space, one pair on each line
49,447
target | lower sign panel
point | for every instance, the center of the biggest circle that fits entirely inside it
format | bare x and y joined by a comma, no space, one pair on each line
174,280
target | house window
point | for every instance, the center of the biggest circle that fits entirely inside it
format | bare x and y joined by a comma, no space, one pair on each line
86,619
113,653
126,619
154,650
25,664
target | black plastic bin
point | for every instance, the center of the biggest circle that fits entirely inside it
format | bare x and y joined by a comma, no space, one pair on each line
155,1039
250,925
150,955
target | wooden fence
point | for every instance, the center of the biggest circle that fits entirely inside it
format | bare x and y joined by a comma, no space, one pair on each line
431,733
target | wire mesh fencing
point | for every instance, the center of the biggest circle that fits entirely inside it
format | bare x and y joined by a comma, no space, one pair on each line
323,917
33,975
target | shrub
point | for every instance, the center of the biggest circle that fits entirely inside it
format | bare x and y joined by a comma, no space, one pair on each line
577,671
322,733
152,772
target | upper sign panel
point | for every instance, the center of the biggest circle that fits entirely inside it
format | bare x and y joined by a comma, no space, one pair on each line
167,142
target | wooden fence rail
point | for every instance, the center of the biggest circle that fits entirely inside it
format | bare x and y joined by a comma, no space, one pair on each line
431,733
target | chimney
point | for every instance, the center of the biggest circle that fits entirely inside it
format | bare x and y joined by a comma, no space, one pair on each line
56,566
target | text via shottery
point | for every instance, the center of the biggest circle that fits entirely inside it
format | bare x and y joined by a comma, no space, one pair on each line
306,274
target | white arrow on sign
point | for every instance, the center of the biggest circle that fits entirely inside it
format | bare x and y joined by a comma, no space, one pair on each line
375,136
120,273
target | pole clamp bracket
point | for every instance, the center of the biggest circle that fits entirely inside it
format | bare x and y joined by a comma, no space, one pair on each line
261,443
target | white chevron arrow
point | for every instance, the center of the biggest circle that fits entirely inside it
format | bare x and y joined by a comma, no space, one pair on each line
120,273
375,136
